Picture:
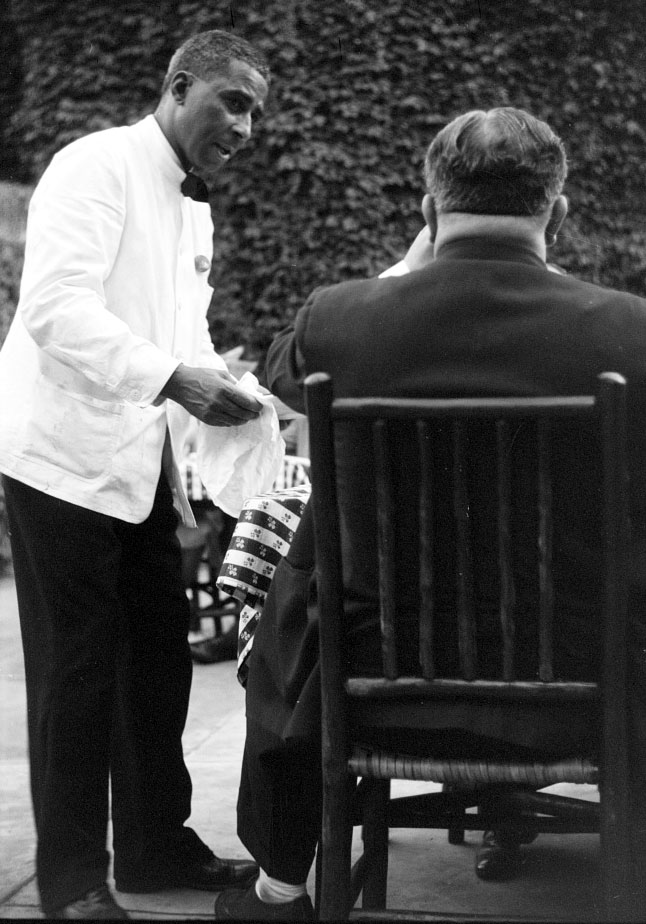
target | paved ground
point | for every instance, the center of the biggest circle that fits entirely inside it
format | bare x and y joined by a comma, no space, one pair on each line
560,876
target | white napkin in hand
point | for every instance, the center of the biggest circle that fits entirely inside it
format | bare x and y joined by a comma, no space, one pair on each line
237,462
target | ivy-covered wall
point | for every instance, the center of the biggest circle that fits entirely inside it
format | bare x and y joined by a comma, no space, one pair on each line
331,190
330,186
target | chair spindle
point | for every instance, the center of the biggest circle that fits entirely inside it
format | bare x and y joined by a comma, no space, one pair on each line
507,586
426,589
465,606
385,548
545,580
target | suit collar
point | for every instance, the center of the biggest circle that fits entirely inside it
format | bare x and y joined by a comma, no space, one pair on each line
479,248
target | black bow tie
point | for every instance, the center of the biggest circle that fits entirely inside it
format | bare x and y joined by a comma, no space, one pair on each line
195,188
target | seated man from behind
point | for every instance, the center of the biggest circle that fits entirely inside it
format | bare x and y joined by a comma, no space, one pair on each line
478,313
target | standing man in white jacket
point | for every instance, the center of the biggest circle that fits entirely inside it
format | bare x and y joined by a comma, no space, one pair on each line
108,357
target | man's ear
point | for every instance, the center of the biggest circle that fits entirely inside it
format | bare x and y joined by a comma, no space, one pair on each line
556,219
430,215
179,86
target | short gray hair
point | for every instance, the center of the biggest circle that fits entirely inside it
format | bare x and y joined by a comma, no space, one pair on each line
209,53
501,162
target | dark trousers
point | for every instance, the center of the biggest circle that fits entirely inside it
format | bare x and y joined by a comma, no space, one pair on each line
104,621
279,803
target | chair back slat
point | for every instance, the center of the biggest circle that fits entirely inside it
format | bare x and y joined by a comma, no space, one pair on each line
507,586
385,547
426,546
465,599
545,547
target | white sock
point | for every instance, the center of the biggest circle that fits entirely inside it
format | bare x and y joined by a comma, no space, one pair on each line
276,892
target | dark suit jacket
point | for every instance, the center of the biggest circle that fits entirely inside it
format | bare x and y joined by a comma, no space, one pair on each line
485,318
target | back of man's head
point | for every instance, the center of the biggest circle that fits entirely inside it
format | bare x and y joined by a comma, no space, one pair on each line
500,162
208,54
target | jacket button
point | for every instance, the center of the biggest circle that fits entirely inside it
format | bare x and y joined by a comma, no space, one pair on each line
202,263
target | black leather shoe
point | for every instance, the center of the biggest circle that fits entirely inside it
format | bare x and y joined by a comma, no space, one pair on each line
96,905
244,905
498,857
210,875
220,648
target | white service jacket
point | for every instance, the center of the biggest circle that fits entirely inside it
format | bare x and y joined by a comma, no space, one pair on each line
113,297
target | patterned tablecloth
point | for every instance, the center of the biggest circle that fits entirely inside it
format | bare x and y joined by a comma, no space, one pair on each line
262,536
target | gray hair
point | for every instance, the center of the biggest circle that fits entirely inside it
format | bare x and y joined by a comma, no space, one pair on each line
209,53
501,162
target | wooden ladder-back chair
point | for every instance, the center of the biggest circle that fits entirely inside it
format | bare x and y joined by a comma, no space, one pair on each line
350,704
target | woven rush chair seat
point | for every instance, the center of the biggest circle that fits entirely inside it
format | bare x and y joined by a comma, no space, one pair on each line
457,594
386,766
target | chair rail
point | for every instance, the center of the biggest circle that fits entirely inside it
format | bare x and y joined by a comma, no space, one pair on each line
344,408
520,691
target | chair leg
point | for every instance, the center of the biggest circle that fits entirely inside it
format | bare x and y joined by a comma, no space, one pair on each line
621,878
336,846
456,835
375,844
194,621
456,831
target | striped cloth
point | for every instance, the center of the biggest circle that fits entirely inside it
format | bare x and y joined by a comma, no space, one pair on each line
261,538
